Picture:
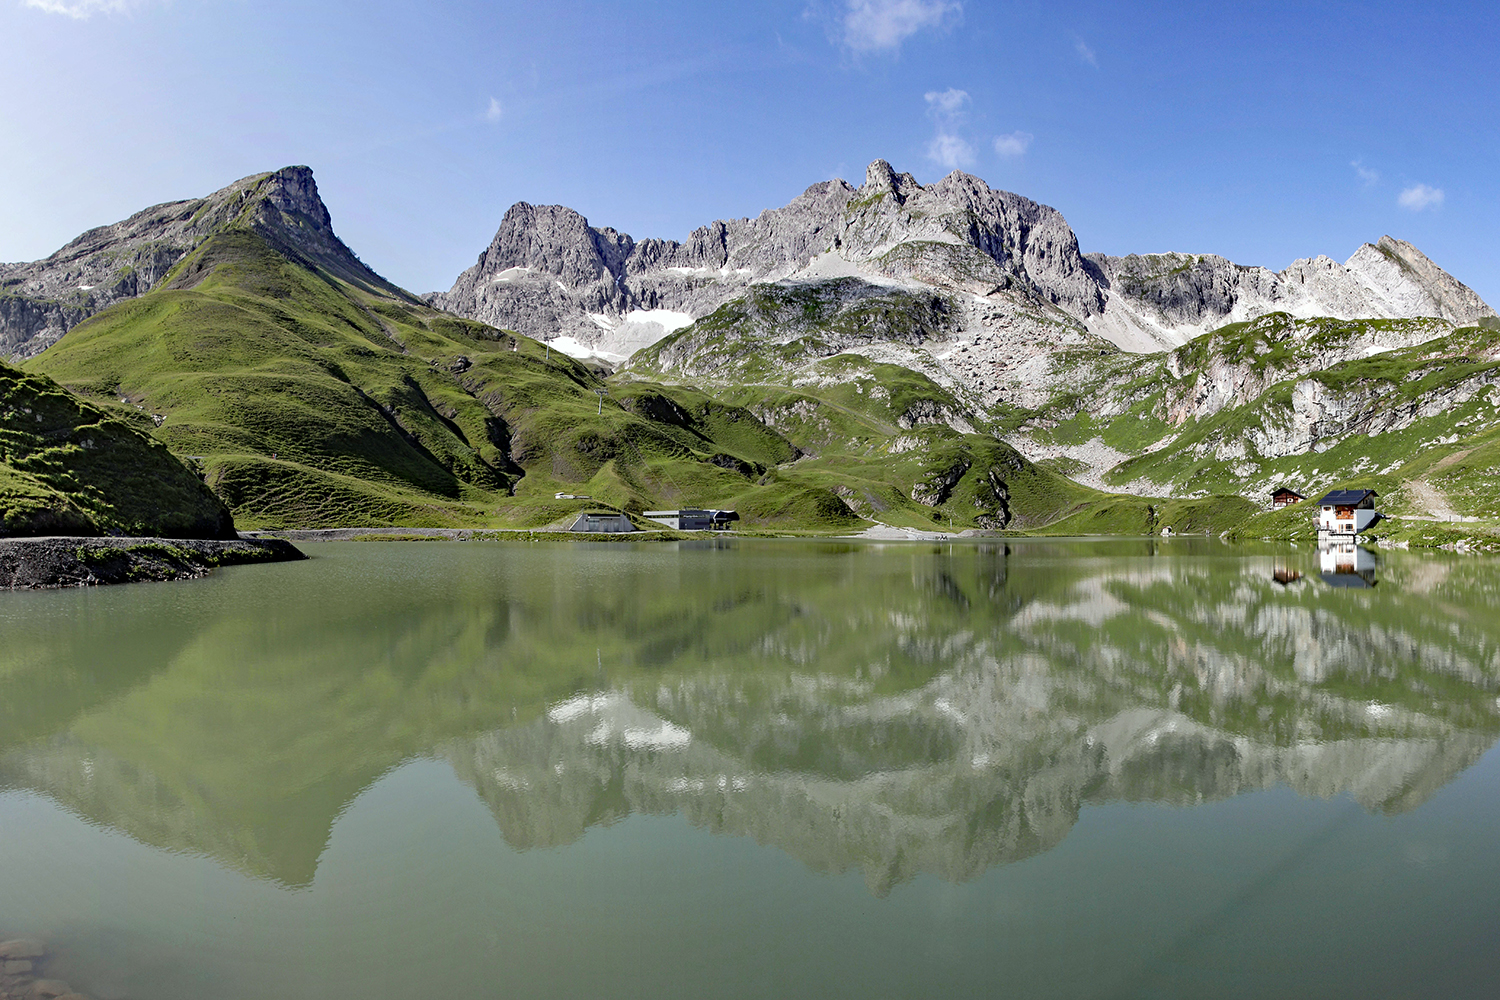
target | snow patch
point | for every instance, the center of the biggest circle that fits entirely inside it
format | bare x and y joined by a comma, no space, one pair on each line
566,711
637,329
670,320
575,348
721,272
827,266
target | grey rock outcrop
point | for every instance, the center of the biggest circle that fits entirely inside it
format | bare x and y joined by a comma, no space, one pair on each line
42,300
52,563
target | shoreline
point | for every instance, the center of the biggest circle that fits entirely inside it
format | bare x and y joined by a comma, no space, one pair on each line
56,562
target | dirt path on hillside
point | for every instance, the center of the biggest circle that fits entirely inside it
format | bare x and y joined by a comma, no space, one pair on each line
1447,460
1431,499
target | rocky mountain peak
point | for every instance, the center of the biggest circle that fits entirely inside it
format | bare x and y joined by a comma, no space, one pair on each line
1410,282
42,300
285,209
556,241
881,178
293,191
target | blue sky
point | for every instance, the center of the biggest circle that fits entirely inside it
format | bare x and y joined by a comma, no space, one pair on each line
1264,132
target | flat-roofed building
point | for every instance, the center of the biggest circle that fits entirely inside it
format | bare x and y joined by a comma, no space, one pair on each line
693,519
604,521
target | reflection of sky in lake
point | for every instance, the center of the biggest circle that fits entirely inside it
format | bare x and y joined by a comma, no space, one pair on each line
911,720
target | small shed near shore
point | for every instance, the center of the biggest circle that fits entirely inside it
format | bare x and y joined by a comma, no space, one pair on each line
602,521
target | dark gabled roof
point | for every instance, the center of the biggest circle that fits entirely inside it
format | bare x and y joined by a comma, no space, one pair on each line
1347,498
1288,491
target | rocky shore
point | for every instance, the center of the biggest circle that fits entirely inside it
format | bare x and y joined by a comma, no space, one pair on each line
64,561
22,962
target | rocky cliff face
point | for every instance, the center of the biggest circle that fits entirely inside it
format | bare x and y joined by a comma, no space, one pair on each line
1012,269
1168,299
42,300
550,275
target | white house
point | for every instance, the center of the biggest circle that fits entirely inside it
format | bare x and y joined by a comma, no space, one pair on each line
1346,512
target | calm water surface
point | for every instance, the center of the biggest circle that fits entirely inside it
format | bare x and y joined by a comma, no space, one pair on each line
762,769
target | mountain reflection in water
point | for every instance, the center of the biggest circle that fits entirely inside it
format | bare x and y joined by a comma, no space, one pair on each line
893,709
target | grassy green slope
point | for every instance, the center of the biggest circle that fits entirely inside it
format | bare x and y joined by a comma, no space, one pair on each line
68,467
891,443
298,395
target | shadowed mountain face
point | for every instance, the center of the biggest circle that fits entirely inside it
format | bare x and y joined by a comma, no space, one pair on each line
69,468
889,710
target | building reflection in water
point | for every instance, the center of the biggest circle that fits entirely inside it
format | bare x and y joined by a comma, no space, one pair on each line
1345,564
1286,571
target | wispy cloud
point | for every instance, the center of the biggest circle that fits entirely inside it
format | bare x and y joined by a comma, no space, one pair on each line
1086,53
1367,177
951,151
1013,145
82,10
946,108
495,111
948,104
1420,196
882,25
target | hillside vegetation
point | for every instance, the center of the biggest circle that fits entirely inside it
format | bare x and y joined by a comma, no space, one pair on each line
69,468
1408,407
314,394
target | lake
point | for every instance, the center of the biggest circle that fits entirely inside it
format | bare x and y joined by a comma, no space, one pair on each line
758,768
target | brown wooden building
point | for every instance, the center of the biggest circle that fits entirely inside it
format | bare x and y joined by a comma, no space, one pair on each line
1285,497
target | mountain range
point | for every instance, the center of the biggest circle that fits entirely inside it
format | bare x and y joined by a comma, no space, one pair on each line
1012,266
892,351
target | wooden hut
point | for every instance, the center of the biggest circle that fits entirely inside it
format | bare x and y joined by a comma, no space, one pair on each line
1285,497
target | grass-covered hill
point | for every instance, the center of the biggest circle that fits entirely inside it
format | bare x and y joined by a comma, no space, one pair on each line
311,392
69,468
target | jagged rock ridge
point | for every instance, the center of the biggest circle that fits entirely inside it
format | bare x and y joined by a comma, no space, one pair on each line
1011,265
1172,298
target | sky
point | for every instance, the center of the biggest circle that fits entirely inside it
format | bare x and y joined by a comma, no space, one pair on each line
1263,132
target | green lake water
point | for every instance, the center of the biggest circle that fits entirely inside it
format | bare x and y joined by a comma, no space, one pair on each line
762,769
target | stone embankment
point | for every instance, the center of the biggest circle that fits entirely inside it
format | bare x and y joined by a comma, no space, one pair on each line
65,561
22,964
